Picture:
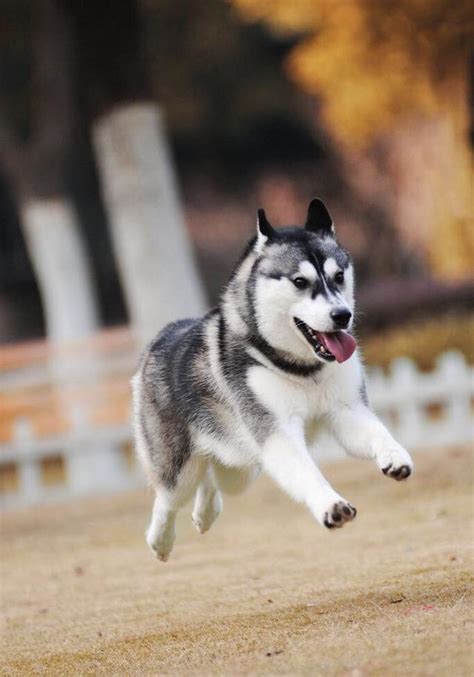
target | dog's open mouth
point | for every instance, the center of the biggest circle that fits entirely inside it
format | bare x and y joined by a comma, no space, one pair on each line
330,346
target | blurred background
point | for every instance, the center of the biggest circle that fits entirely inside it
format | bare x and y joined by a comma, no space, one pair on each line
137,140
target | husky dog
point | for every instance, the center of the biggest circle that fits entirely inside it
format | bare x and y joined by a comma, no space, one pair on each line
221,398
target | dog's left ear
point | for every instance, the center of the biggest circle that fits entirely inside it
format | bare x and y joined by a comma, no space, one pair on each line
264,227
318,219
265,231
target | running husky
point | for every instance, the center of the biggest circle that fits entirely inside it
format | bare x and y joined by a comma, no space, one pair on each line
220,398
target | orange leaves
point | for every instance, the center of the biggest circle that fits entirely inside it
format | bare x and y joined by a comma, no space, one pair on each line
371,63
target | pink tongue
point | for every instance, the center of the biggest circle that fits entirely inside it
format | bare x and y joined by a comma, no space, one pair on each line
340,344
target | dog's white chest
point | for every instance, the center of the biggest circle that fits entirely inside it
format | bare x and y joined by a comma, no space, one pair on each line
283,397
306,398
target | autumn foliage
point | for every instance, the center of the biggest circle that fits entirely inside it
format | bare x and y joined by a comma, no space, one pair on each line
394,73
372,62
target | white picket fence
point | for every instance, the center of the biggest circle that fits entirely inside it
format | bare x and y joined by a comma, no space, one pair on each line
92,461
423,410
426,410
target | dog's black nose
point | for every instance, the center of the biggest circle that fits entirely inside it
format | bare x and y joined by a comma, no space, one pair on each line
341,317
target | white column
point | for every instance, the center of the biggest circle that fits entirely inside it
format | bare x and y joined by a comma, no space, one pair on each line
151,245
61,266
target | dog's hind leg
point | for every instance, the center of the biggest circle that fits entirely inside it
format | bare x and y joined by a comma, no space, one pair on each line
160,535
208,502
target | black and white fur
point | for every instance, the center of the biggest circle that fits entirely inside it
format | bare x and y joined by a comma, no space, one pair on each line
221,398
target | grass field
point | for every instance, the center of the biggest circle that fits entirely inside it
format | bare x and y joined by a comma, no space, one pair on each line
266,591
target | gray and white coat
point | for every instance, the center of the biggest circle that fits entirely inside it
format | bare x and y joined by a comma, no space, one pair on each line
221,398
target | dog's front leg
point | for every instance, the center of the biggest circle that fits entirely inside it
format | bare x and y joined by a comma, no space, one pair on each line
286,459
362,434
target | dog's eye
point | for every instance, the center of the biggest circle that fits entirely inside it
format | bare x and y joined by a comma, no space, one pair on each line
339,277
300,282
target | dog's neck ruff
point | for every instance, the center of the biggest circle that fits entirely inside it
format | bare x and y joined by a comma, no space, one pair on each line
255,341
278,360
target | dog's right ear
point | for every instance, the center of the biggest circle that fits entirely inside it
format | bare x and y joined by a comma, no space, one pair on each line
319,220
265,231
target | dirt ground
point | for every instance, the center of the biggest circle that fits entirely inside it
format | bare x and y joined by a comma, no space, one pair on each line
266,591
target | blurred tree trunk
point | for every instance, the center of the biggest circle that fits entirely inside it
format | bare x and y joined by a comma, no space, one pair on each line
35,168
430,166
61,266
151,245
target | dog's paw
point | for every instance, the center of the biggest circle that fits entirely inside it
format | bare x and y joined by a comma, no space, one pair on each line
396,463
205,514
161,544
338,514
399,473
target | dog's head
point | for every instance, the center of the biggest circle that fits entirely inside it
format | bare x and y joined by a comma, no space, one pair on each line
303,285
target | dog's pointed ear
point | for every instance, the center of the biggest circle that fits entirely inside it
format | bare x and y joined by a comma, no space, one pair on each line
265,231
319,219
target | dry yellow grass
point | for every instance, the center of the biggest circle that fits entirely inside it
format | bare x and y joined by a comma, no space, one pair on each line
266,591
